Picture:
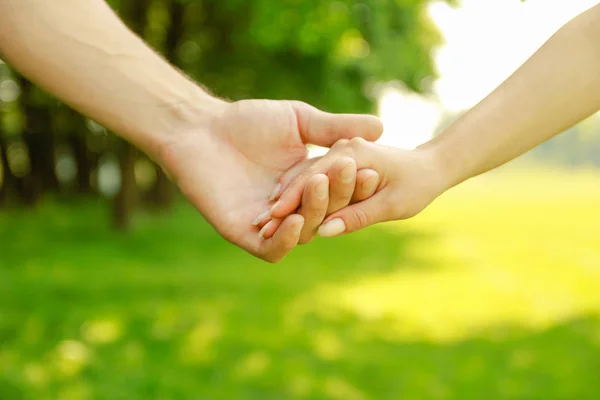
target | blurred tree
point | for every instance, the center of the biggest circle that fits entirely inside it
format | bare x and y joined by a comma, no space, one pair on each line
76,134
330,53
38,137
7,178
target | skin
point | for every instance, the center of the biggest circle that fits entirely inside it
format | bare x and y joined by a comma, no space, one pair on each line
556,88
225,157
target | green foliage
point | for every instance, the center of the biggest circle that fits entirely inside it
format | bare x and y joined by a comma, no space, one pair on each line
328,53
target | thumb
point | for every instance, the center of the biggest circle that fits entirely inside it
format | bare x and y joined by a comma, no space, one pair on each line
324,129
356,216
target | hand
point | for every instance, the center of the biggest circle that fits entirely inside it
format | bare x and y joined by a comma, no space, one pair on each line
410,180
229,164
324,194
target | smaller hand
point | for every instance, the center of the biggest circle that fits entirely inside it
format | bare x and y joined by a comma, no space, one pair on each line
325,194
409,181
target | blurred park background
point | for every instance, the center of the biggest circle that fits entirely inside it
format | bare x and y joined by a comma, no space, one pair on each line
112,287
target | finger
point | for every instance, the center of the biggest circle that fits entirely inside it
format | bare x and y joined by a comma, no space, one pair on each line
357,149
289,176
367,181
356,216
342,178
324,129
285,239
314,209
262,220
269,229
314,206
291,196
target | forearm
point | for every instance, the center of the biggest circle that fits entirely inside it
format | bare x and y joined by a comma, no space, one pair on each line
82,53
556,88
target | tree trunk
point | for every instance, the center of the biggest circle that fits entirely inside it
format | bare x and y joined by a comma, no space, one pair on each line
83,159
39,139
162,192
41,157
8,179
124,203
175,32
13,187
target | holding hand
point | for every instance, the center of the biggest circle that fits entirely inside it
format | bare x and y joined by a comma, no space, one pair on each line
409,181
228,161
324,194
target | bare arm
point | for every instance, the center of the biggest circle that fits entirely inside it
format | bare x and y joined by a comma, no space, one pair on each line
216,151
556,88
80,51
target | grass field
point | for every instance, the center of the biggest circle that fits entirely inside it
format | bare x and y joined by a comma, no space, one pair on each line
493,292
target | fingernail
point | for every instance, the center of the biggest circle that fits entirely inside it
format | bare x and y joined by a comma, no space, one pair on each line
322,190
273,207
262,216
347,173
332,228
275,192
264,230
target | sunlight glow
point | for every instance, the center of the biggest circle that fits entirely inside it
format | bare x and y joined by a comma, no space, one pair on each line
476,272
484,42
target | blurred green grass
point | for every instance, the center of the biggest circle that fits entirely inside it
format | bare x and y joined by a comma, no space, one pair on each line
494,291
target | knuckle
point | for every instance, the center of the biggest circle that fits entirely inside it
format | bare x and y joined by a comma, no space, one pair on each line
340,144
357,142
361,217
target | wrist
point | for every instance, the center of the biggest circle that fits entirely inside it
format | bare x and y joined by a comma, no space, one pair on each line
193,114
439,170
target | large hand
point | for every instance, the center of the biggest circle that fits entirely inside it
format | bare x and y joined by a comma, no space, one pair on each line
229,167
